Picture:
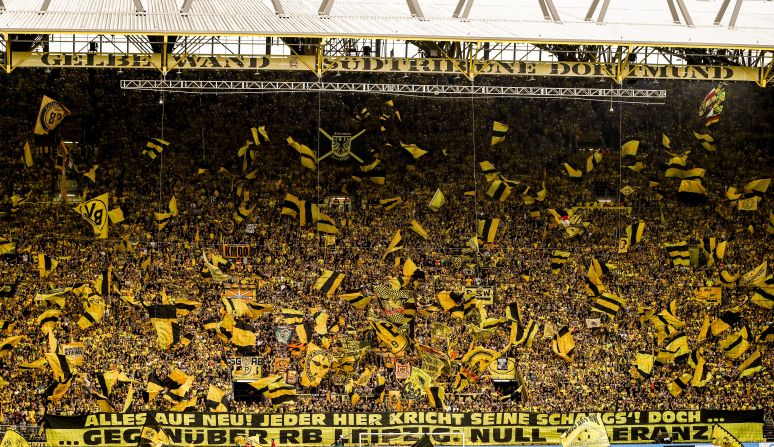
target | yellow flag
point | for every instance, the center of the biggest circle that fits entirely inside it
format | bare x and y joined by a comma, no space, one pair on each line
13,439
572,172
437,201
95,212
51,113
116,215
498,132
28,161
419,230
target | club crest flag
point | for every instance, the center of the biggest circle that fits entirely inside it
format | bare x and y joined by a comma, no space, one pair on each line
13,439
95,211
588,431
51,113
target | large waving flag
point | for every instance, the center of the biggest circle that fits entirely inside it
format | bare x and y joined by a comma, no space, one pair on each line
95,212
51,113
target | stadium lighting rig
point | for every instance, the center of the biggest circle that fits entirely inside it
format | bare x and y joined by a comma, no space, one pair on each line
646,96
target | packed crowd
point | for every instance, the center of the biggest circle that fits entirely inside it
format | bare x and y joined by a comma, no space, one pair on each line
285,261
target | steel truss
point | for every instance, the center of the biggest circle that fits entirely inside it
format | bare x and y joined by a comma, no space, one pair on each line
406,89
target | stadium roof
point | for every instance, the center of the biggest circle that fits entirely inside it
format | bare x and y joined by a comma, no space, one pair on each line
647,23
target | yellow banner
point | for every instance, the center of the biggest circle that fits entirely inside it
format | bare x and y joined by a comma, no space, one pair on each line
382,65
316,429
710,295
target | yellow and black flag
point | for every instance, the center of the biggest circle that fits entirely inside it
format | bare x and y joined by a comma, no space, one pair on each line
162,219
155,147
752,365
95,212
395,244
308,157
722,438
328,282
593,160
48,320
701,375
259,134
728,280
358,300
608,304
325,224
558,259
498,190
498,132
56,390
736,344
764,297
435,396
280,393
643,366
692,191
513,312
679,253
390,203
46,265
94,312
725,321
316,366
487,229
243,212
164,320
634,233
594,285
184,306
713,249
390,335
563,344
61,368
678,385
51,113
292,206
489,170
152,434
216,401
7,345
523,334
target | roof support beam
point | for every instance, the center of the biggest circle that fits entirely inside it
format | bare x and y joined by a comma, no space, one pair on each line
467,4
734,14
683,11
186,8
549,10
44,6
325,8
416,11
278,9
602,11
138,7
686,14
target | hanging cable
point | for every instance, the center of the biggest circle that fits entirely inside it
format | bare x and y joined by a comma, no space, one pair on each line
475,158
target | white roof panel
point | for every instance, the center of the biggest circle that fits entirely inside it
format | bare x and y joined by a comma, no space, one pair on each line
646,23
